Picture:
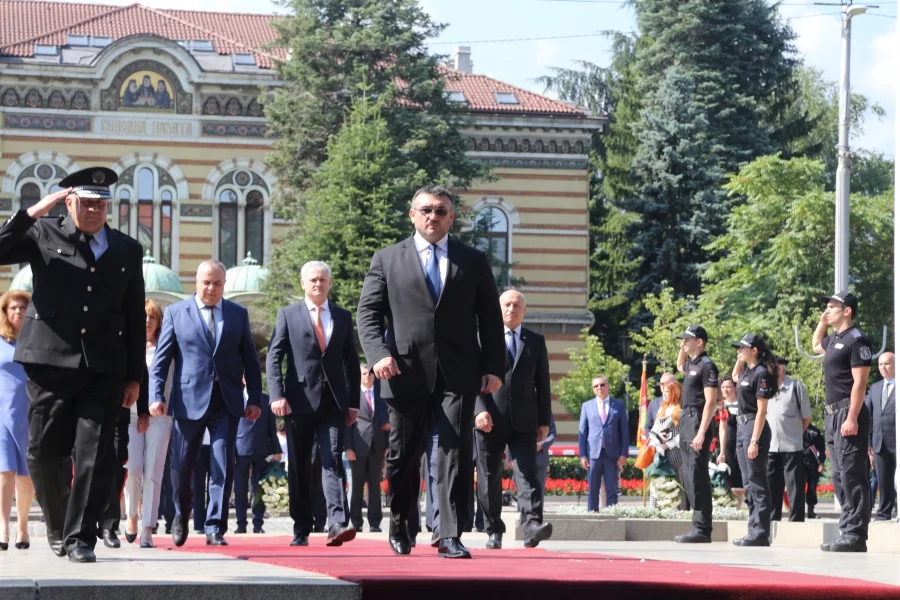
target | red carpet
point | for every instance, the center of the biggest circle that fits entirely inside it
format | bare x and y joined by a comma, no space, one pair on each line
534,574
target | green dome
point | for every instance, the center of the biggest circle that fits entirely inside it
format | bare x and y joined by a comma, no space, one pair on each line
158,278
247,277
22,280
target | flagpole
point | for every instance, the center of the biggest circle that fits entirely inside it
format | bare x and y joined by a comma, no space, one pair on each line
642,419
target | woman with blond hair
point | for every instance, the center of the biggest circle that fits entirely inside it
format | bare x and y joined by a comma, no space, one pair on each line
14,475
664,435
147,451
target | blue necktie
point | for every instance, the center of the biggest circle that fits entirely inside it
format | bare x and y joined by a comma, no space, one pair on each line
511,347
433,272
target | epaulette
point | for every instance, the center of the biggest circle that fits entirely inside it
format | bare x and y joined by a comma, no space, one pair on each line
856,333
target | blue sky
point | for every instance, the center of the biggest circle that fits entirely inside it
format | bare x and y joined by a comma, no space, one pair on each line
476,22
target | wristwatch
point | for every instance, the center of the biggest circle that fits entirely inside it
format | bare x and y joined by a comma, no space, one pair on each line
754,442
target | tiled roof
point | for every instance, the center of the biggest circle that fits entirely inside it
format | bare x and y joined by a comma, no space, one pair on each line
29,22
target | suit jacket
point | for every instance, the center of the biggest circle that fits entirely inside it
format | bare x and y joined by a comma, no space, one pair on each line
294,341
524,397
883,433
611,436
543,455
424,336
184,339
259,437
366,435
652,411
82,309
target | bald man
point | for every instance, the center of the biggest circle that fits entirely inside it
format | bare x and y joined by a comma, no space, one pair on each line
881,401
518,416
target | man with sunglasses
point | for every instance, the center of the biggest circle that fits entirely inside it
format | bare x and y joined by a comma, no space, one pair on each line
82,346
426,304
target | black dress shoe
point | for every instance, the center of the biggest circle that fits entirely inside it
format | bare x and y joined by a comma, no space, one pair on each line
258,530
81,554
693,537
398,538
373,529
110,539
452,548
156,529
319,529
748,541
300,540
338,534
56,544
168,530
4,546
847,545
215,539
495,541
23,545
812,515
130,537
535,533
179,532
241,529
435,539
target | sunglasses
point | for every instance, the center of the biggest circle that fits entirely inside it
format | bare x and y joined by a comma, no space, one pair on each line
427,211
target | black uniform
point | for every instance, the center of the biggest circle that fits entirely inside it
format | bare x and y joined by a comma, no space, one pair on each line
849,455
754,384
82,340
699,373
813,458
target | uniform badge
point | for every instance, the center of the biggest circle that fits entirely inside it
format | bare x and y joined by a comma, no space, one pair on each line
693,372
745,383
865,353
98,177
838,346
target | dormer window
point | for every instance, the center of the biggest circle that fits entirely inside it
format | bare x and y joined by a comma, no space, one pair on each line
202,46
45,50
77,40
100,41
455,97
244,59
505,98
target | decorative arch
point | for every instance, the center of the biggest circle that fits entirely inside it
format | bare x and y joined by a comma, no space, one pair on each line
213,189
513,220
58,159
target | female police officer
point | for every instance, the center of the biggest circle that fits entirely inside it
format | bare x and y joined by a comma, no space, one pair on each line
756,373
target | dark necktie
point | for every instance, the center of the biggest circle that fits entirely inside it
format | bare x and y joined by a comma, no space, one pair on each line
511,347
211,324
885,392
88,238
433,271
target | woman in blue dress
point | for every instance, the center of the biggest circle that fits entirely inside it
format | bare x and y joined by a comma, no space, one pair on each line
14,478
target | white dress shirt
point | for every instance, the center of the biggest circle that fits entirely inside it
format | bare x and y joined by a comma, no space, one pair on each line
217,315
600,402
99,244
423,247
324,315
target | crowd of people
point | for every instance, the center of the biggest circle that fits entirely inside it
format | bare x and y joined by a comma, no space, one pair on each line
168,405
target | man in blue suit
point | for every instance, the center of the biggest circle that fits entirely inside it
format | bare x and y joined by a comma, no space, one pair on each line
210,341
602,442
256,441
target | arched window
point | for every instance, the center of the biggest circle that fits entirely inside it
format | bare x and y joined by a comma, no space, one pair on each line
241,213
165,226
124,210
491,231
146,186
146,197
37,181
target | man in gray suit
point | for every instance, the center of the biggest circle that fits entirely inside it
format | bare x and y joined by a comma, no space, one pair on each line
366,442
883,434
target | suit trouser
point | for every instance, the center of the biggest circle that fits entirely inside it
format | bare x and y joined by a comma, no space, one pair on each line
166,502
72,410
522,449
850,473
756,483
812,483
328,424
430,462
187,440
885,467
366,471
146,461
317,494
542,474
247,472
411,420
112,510
200,489
790,468
696,469
603,470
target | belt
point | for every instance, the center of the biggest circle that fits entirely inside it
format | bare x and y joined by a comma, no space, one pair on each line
749,417
831,409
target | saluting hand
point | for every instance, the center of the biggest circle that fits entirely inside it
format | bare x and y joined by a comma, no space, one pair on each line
47,203
132,390
251,413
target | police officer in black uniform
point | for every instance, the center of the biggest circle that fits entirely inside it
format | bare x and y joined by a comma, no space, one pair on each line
756,373
814,461
698,405
82,346
848,359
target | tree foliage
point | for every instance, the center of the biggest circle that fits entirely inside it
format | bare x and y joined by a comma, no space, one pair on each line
591,361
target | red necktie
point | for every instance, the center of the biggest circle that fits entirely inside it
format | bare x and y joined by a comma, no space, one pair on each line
317,325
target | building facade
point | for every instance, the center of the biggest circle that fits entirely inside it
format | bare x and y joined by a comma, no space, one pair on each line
170,101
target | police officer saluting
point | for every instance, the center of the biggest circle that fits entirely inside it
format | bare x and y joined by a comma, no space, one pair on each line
82,346
848,359
756,373
698,405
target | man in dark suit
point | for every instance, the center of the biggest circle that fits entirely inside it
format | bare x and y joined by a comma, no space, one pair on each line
317,393
212,345
814,461
366,445
82,346
436,298
517,415
653,408
881,401
256,441
602,443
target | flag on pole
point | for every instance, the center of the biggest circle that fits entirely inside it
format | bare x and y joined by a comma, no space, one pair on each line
642,414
